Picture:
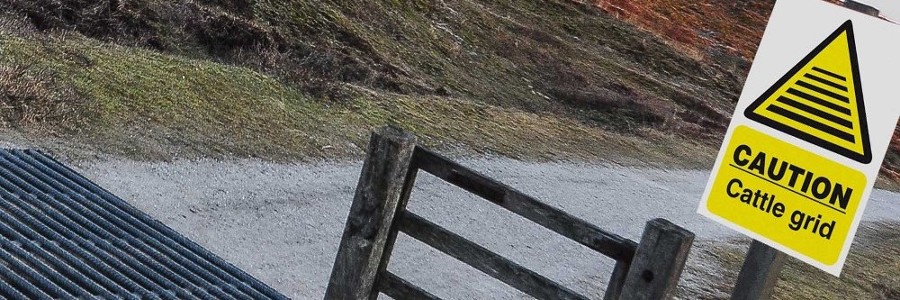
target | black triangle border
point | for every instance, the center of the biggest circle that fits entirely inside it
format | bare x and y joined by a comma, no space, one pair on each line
866,156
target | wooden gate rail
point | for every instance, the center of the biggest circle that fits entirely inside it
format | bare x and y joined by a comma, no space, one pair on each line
649,270
483,259
578,230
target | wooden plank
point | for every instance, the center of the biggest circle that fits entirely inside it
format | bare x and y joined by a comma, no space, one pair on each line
611,245
400,289
759,274
408,184
374,205
483,259
616,281
659,260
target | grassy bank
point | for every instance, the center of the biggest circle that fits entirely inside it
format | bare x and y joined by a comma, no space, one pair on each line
295,79
288,80
869,273
147,105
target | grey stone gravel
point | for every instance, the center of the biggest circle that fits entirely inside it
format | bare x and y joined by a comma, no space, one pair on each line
282,222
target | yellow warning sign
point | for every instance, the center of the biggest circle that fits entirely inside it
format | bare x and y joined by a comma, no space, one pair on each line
792,196
803,151
820,100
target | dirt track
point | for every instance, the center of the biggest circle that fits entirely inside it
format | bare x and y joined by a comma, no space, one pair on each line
282,223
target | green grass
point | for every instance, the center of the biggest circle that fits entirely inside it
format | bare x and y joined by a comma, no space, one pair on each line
207,105
870,271
299,79
286,80
538,56
147,105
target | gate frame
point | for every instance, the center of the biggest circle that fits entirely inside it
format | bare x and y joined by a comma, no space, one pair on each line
649,270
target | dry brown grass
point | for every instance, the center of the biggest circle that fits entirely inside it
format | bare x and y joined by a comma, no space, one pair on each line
706,28
547,57
735,26
31,96
870,271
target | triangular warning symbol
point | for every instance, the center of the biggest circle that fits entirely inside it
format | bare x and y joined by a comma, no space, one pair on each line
820,100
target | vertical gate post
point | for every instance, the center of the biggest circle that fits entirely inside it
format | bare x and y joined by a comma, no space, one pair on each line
616,281
658,262
759,274
371,214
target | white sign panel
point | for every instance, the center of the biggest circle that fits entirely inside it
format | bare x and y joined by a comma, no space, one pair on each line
810,131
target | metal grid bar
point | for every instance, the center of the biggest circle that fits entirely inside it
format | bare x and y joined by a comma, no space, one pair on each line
65,237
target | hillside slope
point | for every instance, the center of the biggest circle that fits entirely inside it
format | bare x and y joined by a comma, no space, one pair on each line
700,26
697,26
279,79
300,79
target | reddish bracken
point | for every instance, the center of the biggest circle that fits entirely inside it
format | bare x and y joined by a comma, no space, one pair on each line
704,25
736,26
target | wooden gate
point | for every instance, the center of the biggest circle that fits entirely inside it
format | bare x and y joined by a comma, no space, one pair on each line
649,270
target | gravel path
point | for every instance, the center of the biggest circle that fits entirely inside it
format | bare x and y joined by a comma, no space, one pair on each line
282,222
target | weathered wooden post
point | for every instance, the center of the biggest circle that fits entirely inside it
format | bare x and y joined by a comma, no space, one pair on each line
371,214
616,281
759,274
658,262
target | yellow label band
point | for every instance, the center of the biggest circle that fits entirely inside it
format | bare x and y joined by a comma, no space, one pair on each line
789,195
